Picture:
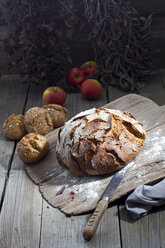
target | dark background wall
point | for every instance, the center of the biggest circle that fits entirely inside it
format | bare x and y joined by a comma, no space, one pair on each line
157,7
81,50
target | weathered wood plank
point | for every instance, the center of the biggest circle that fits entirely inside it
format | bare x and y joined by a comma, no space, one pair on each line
17,229
131,102
141,234
76,103
134,234
12,99
115,93
59,231
147,232
20,223
154,89
20,218
161,224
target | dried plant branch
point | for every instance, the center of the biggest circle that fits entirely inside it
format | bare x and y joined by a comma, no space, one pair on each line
39,43
120,39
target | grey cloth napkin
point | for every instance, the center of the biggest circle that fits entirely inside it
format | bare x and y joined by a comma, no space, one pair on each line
144,197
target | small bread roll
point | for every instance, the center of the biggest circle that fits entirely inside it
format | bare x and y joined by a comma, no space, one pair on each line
14,127
32,147
38,120
58,114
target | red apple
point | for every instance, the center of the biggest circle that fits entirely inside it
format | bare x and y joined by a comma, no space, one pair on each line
75,76
89,67
91,88
54,95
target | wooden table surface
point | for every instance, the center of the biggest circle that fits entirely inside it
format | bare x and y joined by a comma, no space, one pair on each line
27,220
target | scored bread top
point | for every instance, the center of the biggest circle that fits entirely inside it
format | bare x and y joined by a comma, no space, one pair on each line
99,141
38,120
58,113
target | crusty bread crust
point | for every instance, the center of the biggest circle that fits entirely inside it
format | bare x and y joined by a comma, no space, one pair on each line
14,127
99,141
32,147
38,120
58,113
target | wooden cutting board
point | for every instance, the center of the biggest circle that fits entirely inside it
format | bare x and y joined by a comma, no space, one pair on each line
75,195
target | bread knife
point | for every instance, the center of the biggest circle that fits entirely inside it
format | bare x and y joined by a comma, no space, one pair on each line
102,205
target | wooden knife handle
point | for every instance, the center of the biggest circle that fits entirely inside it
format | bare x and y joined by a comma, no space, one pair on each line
93,222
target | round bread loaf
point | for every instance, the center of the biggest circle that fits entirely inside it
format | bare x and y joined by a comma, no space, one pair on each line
32,147
99,141
58,114
14,127
38,120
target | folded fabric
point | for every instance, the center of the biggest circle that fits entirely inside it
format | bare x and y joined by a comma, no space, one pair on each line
144,197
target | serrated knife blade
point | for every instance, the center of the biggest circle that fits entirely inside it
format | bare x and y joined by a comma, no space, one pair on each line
102,205
115,181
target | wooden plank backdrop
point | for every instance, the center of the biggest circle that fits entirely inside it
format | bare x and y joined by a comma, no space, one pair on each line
22,207
27,220
148,231
8,97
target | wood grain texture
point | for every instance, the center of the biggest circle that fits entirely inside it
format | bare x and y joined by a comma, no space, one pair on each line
154,89
146,232
20,218
9,95
26,220
59,231
133,234
141,233
75,195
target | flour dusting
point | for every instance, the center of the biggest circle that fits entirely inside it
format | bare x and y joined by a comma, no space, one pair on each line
154,145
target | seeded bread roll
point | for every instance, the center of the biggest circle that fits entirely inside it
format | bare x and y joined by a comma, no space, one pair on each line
99,141
38,120
14,127
32,147
58,114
